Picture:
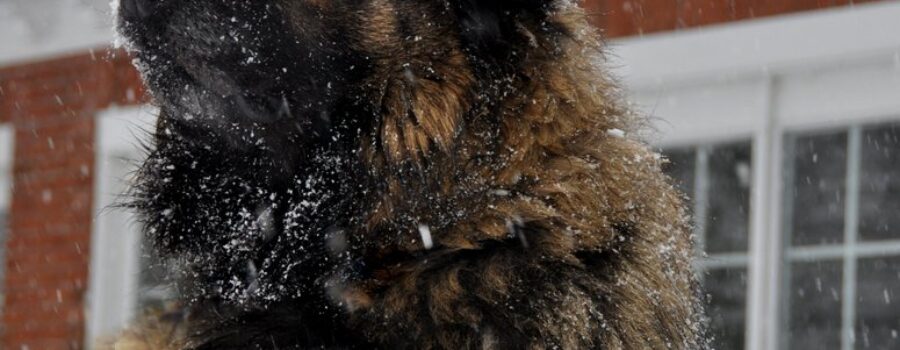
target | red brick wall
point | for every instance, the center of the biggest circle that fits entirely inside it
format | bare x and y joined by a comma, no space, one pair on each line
51,104
632,17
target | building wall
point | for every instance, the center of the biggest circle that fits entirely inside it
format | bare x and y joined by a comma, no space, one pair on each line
52,105
636,17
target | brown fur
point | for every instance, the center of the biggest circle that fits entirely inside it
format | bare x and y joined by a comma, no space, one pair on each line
584,190
601,255
155,331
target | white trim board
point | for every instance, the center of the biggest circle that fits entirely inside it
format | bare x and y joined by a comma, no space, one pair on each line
839,95
6,164
832,97
33,31
760,47
820,69
115,243
704,114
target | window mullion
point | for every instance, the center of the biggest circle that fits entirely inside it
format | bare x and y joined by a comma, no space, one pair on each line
701,197
851,225
781,224
763,308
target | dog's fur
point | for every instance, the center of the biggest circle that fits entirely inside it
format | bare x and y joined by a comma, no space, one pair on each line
308,150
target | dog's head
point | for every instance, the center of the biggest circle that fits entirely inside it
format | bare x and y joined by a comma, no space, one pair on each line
398,78
240,61
297,61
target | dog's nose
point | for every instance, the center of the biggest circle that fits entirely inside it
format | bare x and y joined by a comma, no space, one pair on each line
135,10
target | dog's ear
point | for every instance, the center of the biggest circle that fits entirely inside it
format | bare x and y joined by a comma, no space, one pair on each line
495,28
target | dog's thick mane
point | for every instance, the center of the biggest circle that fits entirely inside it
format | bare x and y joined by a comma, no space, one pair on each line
552,225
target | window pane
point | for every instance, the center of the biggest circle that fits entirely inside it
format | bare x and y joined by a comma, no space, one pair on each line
727,290
814,301
727,221
153,287
818,167
682,167
879,195
878,309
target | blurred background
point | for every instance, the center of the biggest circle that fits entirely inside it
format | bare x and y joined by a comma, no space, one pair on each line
781,119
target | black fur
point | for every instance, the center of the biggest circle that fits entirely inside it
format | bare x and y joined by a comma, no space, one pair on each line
249,171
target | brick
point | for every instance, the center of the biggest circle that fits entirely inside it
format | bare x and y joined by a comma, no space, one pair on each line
628,17
52,105
620,18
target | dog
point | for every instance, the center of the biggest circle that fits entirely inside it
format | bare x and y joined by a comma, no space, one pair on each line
402,174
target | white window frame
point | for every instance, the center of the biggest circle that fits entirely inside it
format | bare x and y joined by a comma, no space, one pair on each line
115,243
762,80
7,146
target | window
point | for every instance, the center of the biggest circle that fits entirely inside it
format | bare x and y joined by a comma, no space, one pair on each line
717,179
154,291
842,239
6,157
125,277
816,96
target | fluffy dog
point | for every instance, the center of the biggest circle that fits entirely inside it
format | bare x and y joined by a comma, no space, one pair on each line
403,174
